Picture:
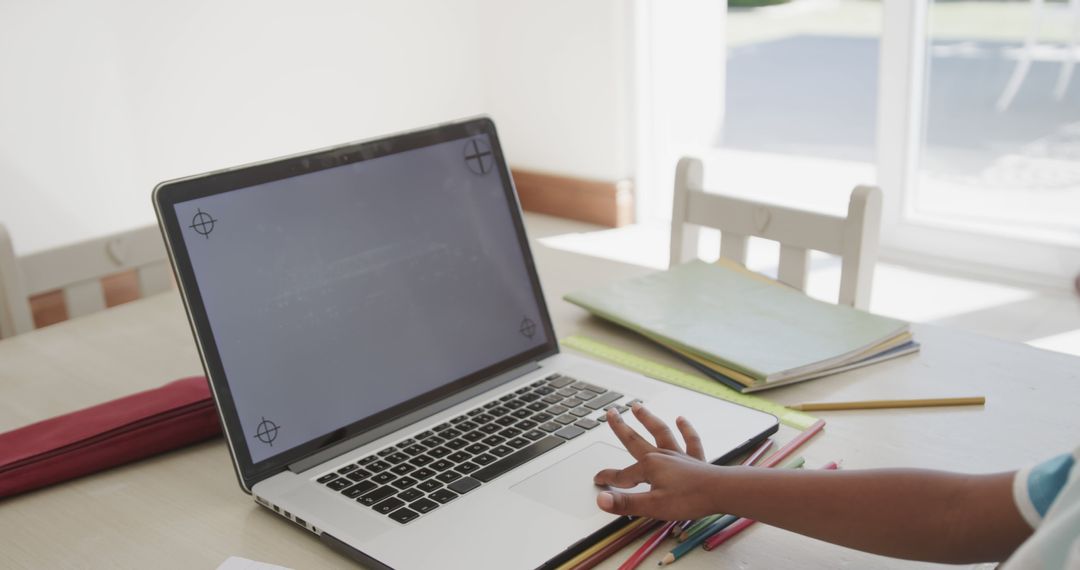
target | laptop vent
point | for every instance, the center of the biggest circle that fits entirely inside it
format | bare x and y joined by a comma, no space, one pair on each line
262,501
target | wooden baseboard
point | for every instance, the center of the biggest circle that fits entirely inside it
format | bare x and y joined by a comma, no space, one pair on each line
598,202
49,308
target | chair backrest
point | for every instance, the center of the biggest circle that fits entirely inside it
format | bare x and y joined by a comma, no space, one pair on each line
854,238
76,270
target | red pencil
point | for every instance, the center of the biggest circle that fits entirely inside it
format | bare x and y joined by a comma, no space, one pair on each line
683,525
790,447
617,545
759,452
722,536
646,549
740,525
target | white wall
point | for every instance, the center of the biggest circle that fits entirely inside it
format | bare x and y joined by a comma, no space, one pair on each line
560,84
101,100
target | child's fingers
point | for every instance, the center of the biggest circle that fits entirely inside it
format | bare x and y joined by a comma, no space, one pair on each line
624,503
622,478
634,443
691,437
665,438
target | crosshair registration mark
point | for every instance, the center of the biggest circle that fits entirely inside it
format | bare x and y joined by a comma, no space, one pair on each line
478,156
202,223
267,432
527,328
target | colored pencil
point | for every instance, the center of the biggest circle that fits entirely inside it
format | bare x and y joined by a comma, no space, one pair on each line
600,544
883,404
697,526
772,461
650,545
742,524
790,447
796,463
759,452
616,545
716,526
617,540
718,523
751,459
723,536
681,527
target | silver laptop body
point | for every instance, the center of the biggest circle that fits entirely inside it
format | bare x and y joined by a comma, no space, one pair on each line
375,337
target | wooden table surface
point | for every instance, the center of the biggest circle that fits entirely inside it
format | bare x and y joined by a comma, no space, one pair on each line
184,509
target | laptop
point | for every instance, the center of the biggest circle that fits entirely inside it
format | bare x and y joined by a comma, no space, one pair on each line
379,349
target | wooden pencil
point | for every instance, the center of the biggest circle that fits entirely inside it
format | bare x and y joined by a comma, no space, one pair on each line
883,404
681,527
607,550
648,547
759,452
717,524
751,459
600,544
723,536
697,526
796,463
772,461
793,445
702,535
742,524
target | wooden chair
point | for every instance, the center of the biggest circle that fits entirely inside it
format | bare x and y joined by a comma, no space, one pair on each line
854,238
76,270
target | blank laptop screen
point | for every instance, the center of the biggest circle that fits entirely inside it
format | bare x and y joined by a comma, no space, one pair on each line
337,294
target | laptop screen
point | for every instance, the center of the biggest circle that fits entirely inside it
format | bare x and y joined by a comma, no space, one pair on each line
338,294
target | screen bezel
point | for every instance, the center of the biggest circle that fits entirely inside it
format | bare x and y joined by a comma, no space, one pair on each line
168,194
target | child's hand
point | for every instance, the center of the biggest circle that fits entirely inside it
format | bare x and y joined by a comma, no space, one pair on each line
682,482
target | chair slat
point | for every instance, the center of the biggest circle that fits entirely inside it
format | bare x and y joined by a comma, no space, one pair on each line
860,246
684,237
793,265
84,298
809,230
733,246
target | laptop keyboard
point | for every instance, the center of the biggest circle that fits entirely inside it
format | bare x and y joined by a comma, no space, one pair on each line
437,465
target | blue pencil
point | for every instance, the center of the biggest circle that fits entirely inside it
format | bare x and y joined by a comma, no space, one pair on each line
697,538
714,526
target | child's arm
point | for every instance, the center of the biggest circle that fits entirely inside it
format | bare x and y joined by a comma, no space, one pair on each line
906,513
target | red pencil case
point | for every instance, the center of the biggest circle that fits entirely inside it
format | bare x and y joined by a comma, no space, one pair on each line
106,435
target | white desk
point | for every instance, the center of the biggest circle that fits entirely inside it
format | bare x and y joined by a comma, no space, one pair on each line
185,510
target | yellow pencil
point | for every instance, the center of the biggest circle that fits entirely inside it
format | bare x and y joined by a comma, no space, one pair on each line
573,562
880,404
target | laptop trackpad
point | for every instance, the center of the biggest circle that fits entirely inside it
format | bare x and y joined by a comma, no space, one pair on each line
568,485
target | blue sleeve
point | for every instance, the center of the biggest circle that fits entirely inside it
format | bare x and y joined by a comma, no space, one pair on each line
1046,480
1036,488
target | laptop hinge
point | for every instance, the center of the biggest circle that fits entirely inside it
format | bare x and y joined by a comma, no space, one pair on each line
410,418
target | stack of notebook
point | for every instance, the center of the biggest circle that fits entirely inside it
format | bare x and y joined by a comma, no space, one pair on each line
745,330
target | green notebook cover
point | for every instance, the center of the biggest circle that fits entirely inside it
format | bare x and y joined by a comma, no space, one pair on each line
767,332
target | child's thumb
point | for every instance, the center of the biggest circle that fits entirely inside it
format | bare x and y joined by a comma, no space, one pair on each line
621,503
